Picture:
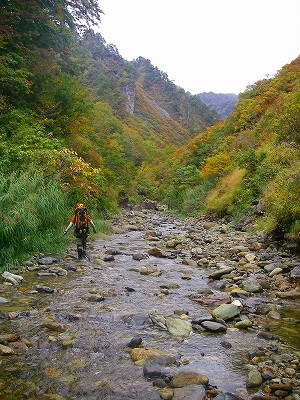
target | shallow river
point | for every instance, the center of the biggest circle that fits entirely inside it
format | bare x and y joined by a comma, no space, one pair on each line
97,365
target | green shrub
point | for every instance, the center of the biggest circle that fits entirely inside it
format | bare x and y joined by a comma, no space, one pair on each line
282,196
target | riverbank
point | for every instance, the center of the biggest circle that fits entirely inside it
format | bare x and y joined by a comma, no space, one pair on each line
216,309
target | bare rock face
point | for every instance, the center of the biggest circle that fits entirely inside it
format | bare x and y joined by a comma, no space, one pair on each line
129,90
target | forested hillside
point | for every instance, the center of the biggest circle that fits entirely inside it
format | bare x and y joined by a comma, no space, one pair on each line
223,103
78,122
249,165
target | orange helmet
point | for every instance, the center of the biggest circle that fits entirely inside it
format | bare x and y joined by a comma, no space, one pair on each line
80,205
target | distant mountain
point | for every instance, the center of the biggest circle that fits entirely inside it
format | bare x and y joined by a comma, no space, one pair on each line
223,103
138,89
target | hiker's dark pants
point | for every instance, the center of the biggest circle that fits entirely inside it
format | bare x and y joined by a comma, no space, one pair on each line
81,246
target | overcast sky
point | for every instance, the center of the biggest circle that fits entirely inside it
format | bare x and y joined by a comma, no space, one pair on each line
206,45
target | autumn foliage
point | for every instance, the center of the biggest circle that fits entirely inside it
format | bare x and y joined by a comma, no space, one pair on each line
66,113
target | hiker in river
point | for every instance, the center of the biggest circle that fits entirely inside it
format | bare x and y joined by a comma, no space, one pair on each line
81,220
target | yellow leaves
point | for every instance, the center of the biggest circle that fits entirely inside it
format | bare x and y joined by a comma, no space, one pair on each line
216,165
76,164
72,169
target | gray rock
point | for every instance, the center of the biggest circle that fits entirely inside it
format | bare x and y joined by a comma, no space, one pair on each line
152,369
243,223
254,379
267,336
157,253
157,319
137,321
226,311
202,318
47,260
50,274
213,326
268,374
160,383
251,285
178,327
54,325
244,324
265,284
220,272
226,344
138,256
162,359
135,342
263,308
270,267
228,396
191,392
13,278
58,271
70,267
184,378
295,274
205,290
238,249
44,289
219,285
40,267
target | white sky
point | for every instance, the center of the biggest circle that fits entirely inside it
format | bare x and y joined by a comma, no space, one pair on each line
206,45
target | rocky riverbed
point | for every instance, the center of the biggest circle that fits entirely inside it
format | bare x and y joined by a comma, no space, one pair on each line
164,308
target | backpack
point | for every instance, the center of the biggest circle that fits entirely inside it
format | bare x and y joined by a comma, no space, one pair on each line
81,222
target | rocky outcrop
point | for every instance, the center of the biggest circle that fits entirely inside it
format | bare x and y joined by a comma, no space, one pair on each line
129,90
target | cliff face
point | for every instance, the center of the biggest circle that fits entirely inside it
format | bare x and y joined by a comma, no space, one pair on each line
129,90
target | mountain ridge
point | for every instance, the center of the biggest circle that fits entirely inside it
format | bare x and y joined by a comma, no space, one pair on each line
222,103
88,126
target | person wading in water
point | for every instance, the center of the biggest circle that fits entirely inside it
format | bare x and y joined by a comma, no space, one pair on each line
81,220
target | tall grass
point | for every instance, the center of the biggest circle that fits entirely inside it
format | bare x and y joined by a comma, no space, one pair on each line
32,215
282,198
220,199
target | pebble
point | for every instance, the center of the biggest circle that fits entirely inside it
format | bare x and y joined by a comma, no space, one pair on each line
247,273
